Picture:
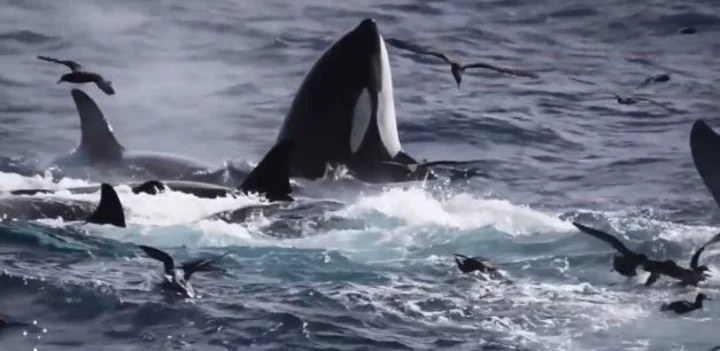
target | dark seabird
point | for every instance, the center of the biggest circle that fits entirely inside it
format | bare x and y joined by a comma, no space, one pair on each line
79,75
660,78
471,264
673,270
682,306
177,278
456,68
627,262
632,100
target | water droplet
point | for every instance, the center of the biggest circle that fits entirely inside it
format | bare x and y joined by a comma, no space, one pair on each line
34,322
24,332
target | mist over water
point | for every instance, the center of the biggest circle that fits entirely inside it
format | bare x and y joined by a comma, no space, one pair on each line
214,81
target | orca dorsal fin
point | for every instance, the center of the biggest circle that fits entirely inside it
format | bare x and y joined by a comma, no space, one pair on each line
97,140
109,210
704,147
271,177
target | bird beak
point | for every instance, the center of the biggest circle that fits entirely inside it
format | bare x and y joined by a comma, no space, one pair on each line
60,81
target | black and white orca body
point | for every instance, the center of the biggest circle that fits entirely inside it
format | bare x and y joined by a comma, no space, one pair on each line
344,113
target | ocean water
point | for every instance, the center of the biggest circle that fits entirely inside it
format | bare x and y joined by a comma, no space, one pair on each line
213,80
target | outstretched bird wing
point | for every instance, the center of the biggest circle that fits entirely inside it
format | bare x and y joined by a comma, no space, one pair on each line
74,66
201,264
160,256
407,46
613,241
506,70
696,258
105,86
714,239
654,103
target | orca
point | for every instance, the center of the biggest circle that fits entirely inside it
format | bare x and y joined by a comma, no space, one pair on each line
270,179
108,211
100,157
151,187
705,149
344,114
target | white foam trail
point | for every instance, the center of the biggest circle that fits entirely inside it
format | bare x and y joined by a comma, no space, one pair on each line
12,181
462,211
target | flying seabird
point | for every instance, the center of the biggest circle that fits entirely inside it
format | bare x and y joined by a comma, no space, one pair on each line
79,75
456,68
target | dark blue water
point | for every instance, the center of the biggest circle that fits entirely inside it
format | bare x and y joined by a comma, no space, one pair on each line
213,80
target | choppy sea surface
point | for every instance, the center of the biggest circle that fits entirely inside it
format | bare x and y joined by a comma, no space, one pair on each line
214,79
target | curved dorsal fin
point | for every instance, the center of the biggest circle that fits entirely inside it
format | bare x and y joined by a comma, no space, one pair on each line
97,140
705,149
109,210
271,177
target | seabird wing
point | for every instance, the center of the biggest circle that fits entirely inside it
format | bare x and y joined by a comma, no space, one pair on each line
696,257
652,279
404,45
645,83
105,86
714,240
654,103
201,264
506,70
160,256
613,241
74,66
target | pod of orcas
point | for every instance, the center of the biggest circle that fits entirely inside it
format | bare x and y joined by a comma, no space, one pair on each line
343,115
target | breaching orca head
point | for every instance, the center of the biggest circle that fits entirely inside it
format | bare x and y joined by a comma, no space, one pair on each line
344,111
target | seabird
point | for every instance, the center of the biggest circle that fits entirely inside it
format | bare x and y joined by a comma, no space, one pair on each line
682,306
79,75
632,100
660,78
177,278
470,264
627,262
456,68
673,270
